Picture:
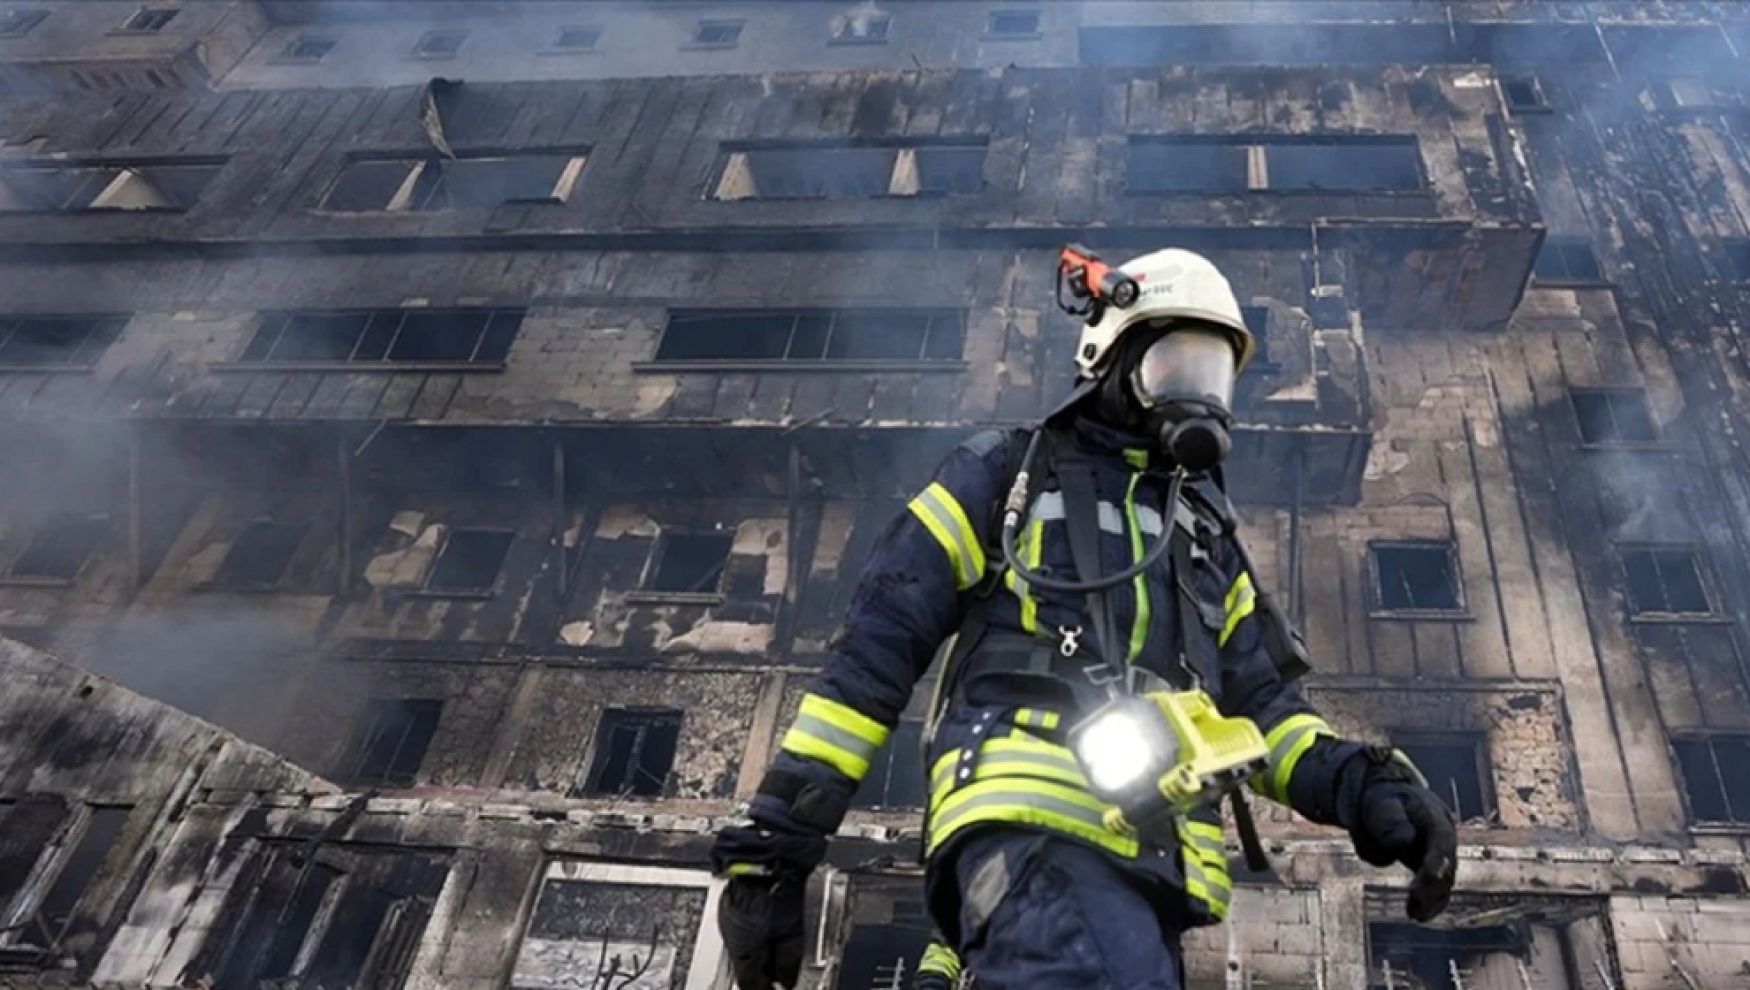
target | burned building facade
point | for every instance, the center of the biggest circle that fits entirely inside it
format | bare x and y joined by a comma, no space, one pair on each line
441,440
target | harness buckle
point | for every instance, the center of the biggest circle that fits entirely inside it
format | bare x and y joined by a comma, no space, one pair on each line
1071,642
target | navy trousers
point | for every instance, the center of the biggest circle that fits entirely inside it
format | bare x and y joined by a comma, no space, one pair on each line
1044,913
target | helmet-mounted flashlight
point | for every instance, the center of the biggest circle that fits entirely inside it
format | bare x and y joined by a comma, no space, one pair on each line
1164,754
1091,284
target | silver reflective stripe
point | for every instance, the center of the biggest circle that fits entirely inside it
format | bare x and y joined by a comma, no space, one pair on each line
1195,871
1049,508
829,733
1010,799
971,556
1009,760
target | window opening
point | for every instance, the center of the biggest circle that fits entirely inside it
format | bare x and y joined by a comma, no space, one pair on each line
717,34
56,341
76,188
896,774
445,336
634,752
812,335
1738,259
1664,581
884,950
578,39
1257,320
148,19
1524,94
808,173
260,555
861,27
1455,765
1233,164
309,49
439,44
1566,260
370,185
59,550
942,171
18,22
1416,577
1188,166
389,743
470,561
1013,24
1716,776
1613,416
103,827
611,927
1343,166
690,563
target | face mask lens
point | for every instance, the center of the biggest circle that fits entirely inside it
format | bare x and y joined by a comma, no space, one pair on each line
1188,364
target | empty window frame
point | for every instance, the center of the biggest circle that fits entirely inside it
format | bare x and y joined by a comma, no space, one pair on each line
1416,577
79,866
79,188
58,550
1613,417
1683,93
1664,580
813,336
1012,24
690,563
634,752
1457,768
1257,320
1248,164
896,774
1524,94
861,27
710,33
63,869
1737,251
258,558
386,337
389,742
56,341
308,48
817,171
439,44
17,22
147,20
469,562
473,182
577,38
1566,261
1716,776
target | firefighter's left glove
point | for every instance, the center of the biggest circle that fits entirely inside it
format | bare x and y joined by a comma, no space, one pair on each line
760,912
1399,820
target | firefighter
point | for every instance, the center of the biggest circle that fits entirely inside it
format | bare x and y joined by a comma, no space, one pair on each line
1031,877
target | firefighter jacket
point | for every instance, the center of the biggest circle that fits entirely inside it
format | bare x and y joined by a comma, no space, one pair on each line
997,755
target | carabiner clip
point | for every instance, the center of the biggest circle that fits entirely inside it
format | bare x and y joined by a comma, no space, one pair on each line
1071,642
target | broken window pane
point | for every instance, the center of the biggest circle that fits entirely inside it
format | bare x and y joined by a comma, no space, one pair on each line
690,563
589,933
896,775
1013,23
56,341
1344,166
1187,165
260,555
634,752
80,866
389,743
150,19
1716,776
861,27
367,185
1407,956
717,33
1566,259
1524,94
18,22
950,170
1416,577
1613,416
578,39
58,551
1664,580
470,561
812,335
439,44
1454,766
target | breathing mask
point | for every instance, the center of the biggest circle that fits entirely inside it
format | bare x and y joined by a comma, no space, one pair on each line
1183,384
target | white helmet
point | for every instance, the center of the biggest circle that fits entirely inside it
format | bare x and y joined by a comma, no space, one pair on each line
1176,285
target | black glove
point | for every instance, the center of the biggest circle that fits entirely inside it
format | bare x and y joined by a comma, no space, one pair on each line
1397,819
761,922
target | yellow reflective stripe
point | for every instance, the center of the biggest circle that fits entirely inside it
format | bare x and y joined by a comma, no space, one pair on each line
1138,628
940,512
1032,550
1288,741
1035,718
938,958
1029,802
836,734
745,870
1007,758
1136,457
1199,885
1242,600
1204,830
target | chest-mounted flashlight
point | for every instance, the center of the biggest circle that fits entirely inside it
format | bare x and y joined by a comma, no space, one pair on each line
1163,755
1086,285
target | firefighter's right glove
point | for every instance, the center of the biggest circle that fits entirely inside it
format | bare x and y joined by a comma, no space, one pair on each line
1399,820
760,912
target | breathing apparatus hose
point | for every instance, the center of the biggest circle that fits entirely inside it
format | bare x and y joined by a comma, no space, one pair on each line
1016,507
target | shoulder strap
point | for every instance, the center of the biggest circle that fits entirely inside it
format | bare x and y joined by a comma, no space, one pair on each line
1081,520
